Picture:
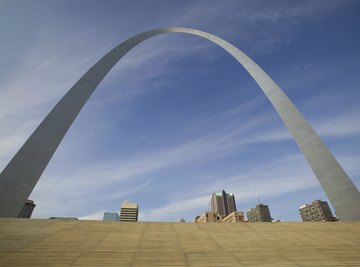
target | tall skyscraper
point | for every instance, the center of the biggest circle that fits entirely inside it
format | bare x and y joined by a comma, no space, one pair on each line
27,209
111,216
260,213
129,212
316,211
223,203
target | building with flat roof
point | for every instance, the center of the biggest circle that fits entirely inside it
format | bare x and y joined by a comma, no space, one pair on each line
223,203
64,218
260,213
27,209
316,211
236,216
129,212
209,216
111,216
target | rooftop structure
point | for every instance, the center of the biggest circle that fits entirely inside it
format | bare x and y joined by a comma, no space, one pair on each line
236,216
208,216
63,218
111,216
129,212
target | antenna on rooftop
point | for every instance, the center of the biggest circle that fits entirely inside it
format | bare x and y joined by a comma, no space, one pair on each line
257,195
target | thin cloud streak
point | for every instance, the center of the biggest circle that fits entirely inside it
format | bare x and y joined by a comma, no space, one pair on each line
243,188
204,148
208,147
213,135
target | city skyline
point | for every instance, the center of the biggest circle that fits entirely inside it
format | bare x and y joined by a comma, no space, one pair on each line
168,149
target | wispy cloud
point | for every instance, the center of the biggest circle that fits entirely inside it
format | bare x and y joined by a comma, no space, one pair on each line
27,94
234,148
86,181
264,25
242,185
339,126
132,174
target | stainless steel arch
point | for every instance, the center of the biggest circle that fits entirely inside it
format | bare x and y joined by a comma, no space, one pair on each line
22,173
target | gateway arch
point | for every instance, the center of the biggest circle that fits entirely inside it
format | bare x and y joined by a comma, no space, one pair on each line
20,176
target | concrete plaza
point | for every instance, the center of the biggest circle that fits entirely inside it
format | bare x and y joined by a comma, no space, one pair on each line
41,242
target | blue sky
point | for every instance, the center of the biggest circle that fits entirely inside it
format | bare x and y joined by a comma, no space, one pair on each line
177,118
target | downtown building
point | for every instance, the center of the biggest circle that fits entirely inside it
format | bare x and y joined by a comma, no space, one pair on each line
111,216
210,216
223,209
236,216
223,203
316,211
129,212
260,213
27,209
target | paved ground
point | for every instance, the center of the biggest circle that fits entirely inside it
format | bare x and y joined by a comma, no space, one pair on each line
95,243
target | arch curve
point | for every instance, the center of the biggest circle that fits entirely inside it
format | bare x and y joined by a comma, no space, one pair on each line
20,176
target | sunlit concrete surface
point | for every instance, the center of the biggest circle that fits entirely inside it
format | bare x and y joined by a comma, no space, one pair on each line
25,242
